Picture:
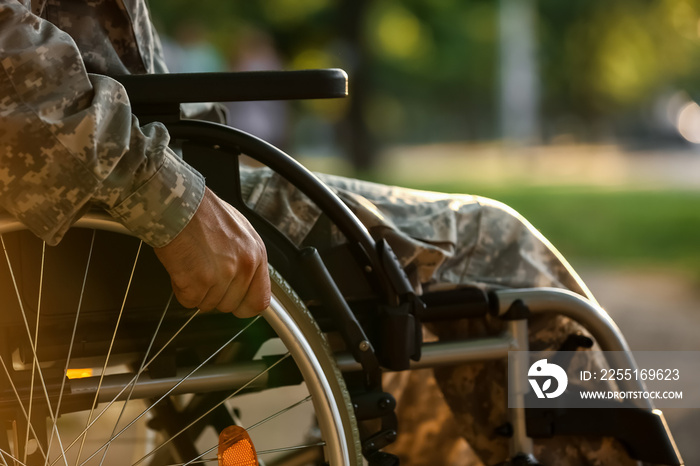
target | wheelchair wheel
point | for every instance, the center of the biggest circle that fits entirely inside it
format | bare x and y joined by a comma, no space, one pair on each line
100,365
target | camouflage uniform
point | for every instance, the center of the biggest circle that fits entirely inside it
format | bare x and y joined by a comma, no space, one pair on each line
68,137
69,140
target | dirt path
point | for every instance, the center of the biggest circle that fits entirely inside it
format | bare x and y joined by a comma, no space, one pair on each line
656,311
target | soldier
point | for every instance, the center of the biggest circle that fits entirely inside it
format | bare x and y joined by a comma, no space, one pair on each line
69,141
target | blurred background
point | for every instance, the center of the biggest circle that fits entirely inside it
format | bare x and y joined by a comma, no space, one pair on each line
580,114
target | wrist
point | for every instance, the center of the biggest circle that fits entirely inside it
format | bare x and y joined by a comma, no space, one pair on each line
161,208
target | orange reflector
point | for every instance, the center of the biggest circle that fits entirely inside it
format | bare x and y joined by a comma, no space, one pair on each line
236,448
78,373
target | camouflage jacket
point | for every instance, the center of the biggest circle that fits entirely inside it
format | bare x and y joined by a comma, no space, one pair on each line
68,138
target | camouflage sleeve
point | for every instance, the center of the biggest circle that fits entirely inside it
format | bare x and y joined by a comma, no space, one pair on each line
68,140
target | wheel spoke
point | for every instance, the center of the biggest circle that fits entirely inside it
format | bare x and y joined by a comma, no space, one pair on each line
197,461
35,343
35,359
292,448
131,382
4,455
109,350
279,413
54,429
257,424
247,384
173,388
20,404
141,369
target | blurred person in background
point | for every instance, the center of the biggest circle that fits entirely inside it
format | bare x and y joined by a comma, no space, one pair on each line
255,51
190,52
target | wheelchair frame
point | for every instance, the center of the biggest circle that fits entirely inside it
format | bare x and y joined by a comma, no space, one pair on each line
391,339
406,310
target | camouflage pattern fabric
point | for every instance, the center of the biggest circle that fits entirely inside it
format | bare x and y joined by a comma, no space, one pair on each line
69,140
444,241
68,137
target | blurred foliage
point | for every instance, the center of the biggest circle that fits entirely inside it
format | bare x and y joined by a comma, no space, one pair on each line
600,60
433,64
593,226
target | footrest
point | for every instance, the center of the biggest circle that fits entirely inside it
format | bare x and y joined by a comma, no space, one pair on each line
643,433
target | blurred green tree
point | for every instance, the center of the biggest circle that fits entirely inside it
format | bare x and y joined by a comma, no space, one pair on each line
427,70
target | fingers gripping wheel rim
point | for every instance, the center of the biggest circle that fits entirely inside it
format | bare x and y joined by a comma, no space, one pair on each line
152,385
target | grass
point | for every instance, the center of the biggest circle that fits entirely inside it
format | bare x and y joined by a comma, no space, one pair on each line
630,228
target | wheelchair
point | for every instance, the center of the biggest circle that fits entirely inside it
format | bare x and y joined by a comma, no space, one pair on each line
100,365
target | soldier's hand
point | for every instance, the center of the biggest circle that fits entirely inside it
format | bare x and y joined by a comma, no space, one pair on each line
218,261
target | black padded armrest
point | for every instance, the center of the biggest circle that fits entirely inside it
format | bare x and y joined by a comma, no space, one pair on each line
159,89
